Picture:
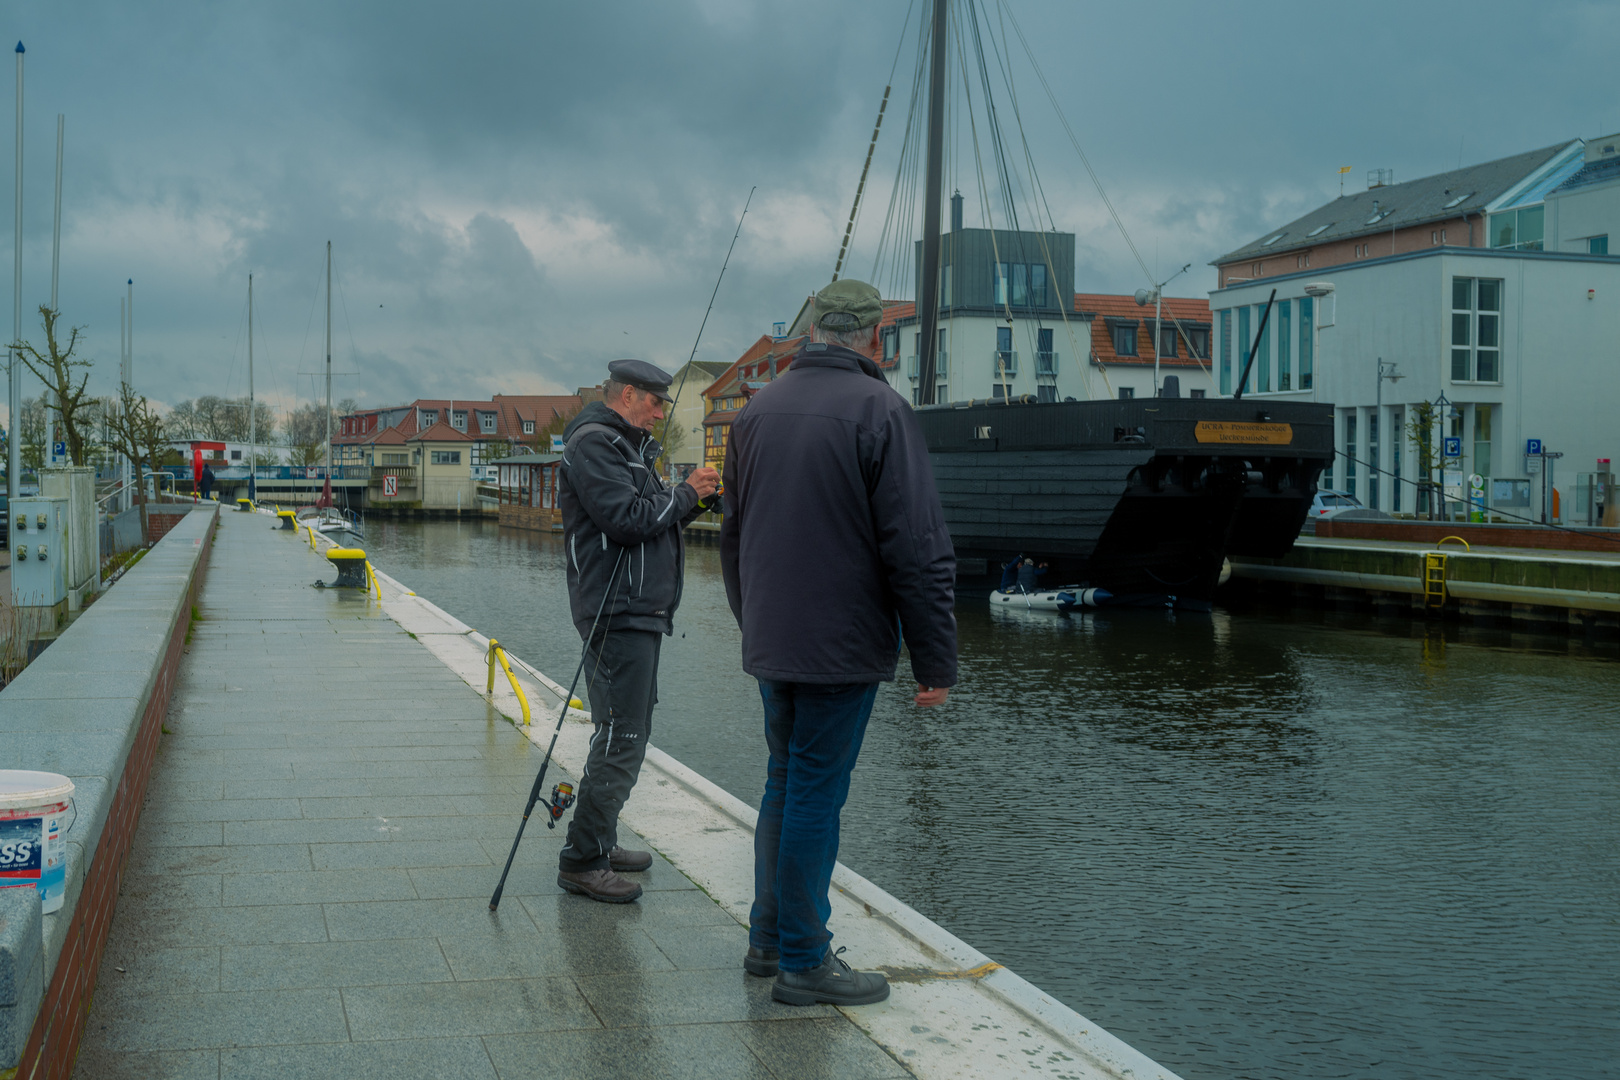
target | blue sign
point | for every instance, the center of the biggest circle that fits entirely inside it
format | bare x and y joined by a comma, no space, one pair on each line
59,448
1532,447
1452,446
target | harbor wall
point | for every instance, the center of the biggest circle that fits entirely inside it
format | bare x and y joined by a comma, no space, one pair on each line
1480,535
90,707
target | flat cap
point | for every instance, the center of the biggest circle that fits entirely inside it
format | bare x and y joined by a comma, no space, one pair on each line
643,376
848,305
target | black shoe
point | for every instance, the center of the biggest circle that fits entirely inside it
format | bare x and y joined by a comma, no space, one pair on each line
628,862
761,962
833,983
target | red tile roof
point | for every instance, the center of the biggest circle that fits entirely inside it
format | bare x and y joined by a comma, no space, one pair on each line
1101,307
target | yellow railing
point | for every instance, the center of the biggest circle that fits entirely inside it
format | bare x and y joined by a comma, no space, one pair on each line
498,653
1459,540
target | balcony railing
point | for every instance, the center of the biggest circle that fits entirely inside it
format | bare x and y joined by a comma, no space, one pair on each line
1046,363
941,366
1003,362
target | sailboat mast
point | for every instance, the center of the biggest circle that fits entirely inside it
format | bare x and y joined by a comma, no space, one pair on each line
928,280
253,410
329,361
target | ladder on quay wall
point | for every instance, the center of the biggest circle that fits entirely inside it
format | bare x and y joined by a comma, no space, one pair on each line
1434,580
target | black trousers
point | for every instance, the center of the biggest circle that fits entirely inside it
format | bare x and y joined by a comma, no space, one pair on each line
623,678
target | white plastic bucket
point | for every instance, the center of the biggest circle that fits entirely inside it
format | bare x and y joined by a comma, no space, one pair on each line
33,836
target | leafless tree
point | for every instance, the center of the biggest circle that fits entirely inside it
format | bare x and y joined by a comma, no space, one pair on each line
138,433
65,376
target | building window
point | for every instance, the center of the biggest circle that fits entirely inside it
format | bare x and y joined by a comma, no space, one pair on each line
394,459
1226,351
1350,451
1124,335
1597,245
1263,355
1243,346
1167,341
1046,392
486,423
1126,393
1397,424
458,420
1519,229
429,417
528,427
1373,471
1021,284
1476,330
1045,358
446,457
1285,362
999,391
236,455
1482,440
1307,339
1198,337
1195,393
1006,361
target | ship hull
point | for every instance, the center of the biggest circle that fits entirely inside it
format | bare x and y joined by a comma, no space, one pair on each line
1142,498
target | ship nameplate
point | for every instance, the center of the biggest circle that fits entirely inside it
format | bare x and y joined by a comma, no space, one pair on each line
1247,434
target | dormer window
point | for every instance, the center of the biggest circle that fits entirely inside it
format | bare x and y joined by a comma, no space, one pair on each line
1274,239
1458,201
458,420
528,427
429,417
486,423
1320,229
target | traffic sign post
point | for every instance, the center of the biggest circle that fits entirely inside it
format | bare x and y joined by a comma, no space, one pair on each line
390,485
1451,446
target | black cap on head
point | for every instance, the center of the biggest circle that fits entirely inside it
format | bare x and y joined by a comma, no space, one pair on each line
643,376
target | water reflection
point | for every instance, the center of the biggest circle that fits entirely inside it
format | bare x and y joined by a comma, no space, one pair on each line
1253,845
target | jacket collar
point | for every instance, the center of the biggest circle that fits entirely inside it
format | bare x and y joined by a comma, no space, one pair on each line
598,413
821,354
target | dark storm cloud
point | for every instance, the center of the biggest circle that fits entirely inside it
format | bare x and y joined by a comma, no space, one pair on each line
517,192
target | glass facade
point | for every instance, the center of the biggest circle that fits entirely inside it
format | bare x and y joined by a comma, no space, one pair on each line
1262,357
1307,339
1374,465
1350,451
1243,347
1226,351
1285,373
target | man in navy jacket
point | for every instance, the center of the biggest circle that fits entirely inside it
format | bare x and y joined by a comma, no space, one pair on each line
833,548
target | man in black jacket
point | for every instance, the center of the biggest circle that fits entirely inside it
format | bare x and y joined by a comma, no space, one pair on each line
833,547
622,529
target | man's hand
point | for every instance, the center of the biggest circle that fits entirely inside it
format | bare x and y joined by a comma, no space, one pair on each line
704,481
929,696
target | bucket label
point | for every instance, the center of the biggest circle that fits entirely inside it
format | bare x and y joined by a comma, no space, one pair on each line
21,848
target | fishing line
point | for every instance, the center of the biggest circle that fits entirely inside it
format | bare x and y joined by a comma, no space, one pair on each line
687,369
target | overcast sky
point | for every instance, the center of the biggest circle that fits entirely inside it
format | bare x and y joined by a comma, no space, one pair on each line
518,192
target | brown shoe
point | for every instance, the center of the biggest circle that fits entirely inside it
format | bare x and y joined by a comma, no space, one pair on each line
603,885
629,862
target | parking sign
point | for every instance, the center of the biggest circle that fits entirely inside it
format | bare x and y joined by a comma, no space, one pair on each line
1452,447
1532,447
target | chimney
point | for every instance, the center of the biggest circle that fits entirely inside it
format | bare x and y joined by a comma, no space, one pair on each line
956,212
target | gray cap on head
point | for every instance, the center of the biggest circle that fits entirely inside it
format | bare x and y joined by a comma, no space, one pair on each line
848,305
643,376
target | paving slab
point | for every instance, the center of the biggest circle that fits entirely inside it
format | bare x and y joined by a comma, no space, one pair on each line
307,895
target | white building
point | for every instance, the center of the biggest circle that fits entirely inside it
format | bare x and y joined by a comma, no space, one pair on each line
1516,341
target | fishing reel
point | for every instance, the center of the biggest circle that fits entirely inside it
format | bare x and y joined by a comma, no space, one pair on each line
562,797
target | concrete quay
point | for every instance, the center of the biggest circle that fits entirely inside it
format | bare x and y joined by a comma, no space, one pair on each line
330,803
1577,592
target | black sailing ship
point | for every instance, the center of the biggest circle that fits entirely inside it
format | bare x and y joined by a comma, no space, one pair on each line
1141,498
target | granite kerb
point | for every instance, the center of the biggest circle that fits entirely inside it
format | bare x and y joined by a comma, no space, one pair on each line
79,709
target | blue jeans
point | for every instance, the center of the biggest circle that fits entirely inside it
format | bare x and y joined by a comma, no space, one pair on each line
814,732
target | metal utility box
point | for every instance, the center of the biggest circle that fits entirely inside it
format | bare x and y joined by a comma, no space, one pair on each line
39,551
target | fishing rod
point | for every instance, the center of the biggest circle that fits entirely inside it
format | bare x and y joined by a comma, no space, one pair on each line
562,796
687,369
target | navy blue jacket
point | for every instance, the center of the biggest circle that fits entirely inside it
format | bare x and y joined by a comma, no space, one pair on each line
834,541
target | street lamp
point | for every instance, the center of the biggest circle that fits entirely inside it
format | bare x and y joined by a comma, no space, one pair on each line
1155,295
1386,370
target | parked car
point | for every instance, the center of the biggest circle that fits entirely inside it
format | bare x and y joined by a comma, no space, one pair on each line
1330,503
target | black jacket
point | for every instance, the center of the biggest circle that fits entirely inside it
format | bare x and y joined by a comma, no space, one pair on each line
834,541
613,502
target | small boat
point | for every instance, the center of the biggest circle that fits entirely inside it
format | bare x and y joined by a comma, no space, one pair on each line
344,526
1062,598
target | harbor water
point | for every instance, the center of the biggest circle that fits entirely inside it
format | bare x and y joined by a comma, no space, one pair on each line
1250,844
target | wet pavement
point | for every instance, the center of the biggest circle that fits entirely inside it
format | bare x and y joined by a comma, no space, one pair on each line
308,891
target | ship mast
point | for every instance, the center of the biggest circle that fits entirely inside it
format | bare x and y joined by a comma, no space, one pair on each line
928,279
